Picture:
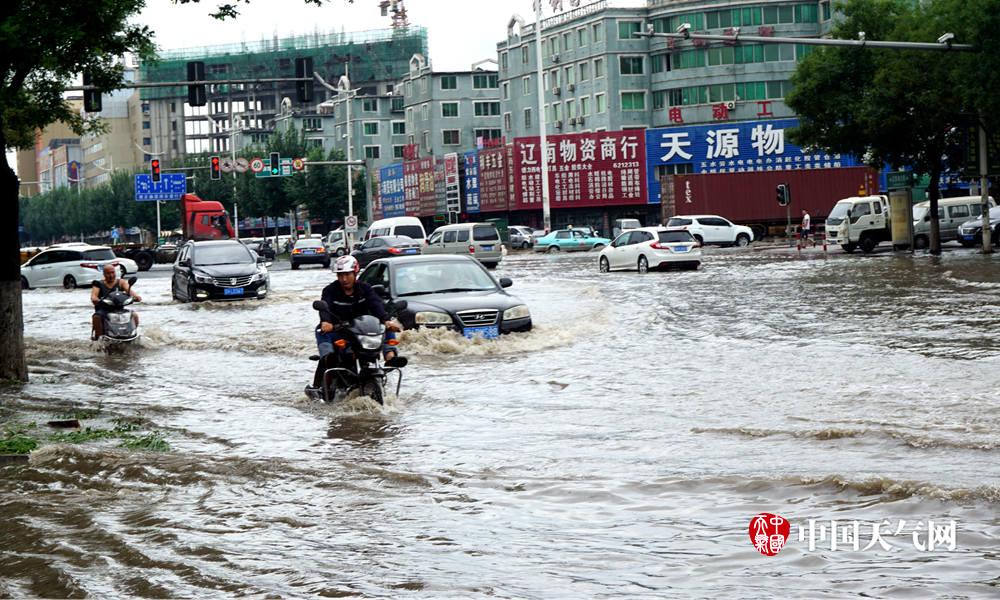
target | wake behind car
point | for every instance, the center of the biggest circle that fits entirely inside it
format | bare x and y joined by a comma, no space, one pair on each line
309,251
218,270
72,265
569,240
454,292
651,248
713,229
386,247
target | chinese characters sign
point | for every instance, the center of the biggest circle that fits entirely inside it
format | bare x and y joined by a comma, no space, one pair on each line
391,190
493,179
471,182
731,148
585,169
418,187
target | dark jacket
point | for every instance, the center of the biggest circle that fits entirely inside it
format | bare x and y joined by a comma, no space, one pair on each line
344,308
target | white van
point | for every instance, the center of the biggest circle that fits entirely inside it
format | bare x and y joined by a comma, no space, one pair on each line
409,226
952,212
478,240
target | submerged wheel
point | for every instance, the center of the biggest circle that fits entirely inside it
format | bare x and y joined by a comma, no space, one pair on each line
605,265
742,240
868,244
553,249
643,265
144,260
374,391
849,248
69,282
122,271
524,245
700,240
920,242
340,252
24,283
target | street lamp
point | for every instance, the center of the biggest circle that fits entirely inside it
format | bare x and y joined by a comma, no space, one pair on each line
546,208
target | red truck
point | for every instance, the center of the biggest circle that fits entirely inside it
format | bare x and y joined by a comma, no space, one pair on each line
750,198
200,220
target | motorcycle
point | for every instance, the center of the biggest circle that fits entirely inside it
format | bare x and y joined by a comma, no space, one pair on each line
119,327
359,352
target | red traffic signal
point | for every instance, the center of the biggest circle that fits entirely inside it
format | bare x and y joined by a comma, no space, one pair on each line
154,169
216,171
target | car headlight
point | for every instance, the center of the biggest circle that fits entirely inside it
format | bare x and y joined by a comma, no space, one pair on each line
370,342
260,275
430,317
517,312
200,278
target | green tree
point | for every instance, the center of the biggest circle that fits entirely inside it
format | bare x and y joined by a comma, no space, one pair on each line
900,107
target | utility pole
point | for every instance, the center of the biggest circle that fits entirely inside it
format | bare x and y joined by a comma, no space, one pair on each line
344,86
544,142
984,190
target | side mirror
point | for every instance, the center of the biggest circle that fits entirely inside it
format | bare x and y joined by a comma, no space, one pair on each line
131,281
321,306
380,290
399,305
505,282
268,264
260,259
185,263
927,217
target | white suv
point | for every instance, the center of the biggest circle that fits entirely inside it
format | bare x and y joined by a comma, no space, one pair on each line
713,229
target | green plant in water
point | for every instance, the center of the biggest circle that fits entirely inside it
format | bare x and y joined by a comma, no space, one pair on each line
17,444
152,442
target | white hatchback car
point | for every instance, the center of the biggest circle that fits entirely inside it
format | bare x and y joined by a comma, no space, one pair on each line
72,266
651,248
713,229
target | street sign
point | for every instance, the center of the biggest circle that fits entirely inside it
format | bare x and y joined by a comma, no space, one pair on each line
452,194
351,224
171,186
257,165
896,180
241,165
298,164
970,148
226,164
284,166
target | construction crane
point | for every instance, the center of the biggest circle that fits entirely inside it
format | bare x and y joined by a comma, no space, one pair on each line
398,12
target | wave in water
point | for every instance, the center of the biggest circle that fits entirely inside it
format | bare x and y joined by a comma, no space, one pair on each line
835,433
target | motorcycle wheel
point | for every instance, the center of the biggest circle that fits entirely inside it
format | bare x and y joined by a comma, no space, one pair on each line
373,390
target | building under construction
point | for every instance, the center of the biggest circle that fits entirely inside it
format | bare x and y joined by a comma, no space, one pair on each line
374,60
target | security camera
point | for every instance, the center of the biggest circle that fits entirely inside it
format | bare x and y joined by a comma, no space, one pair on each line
685,30
944,39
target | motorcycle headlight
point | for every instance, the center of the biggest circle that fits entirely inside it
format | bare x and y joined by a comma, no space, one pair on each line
118,318
432,318
201,278
370,342
517,312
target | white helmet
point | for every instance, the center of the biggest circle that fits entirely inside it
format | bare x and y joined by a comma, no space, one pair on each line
346,264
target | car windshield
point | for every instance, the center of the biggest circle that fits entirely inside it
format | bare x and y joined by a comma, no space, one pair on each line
208,256
919,212
667,237
439,277
308,243
675,222
840,210
102,254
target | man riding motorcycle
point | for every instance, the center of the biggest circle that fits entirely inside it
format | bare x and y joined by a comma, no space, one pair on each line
348,298
101,289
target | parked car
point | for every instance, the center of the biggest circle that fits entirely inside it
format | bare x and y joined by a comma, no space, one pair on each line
651,248
952,213
336,242
71,266
386,247
219,270
479,240
455,292
622,225
569,240
309,251
970,233
521,236
261,247
713,229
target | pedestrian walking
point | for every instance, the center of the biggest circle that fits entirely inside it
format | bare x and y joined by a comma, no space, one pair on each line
806,228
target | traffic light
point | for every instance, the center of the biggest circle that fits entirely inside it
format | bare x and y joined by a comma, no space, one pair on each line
304,89
91,98
216,171
275,164
196,93
154,169
783,194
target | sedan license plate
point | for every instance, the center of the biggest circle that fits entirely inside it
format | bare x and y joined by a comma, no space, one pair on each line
488,332
968,238
232,292
410,251
487,248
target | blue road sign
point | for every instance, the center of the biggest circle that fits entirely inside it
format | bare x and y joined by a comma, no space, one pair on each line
171,186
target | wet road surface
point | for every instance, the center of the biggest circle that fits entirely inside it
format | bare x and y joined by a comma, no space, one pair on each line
619,449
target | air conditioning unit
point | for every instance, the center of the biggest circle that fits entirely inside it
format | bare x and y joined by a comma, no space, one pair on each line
572,120
555,58
730,105
571,87
579,120
556,90
558,124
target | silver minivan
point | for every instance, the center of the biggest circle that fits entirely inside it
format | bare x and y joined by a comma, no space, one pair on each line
952,212
479,240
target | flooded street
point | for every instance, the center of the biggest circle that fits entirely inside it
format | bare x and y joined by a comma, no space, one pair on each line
621,448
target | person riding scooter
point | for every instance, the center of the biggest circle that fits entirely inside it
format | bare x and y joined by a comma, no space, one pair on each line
101,289
348,298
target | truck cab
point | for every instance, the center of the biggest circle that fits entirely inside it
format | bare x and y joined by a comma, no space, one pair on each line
859,222
205,219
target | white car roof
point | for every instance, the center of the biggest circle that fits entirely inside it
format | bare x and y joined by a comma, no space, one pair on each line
76,246
698,217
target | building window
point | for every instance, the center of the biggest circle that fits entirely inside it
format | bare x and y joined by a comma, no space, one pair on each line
506,90
524,54
583,71
314,143
554,44
312,124
427,140
506,122
487,109
369,128
527,118
373,152
581,37
147,141
525,86
369,105
598,68
426,110
659,100
503,61
449,82
628,29
557,111
484,81
423,84
630,65
570,108
488,134
567,41
449,109
398,150
806,13
145,124
585,106
397,104
775,15
826,10
597,32
399,128
601,103
451,137
661,62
